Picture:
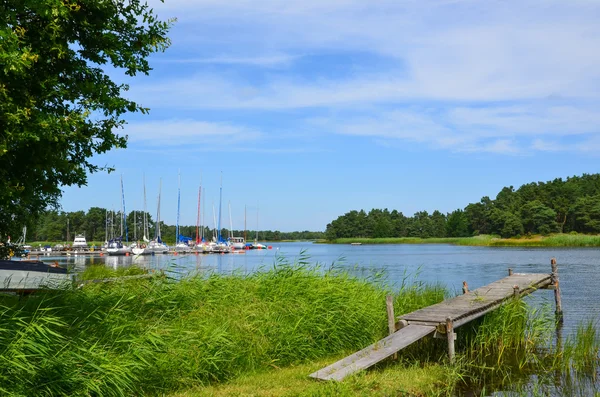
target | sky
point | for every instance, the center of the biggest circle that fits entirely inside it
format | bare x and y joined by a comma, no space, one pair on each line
312,108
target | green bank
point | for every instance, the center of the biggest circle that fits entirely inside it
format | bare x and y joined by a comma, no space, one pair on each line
259,334
556,240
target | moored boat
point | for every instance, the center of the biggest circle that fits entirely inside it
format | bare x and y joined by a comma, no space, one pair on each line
80,244
116,247
31,275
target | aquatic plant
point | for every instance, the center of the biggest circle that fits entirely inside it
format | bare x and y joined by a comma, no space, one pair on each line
159,334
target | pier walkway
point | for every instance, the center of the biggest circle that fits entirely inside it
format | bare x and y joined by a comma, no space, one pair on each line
441,319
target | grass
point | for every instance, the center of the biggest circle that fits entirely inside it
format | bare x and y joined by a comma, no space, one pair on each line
557,240
158,335
415,380
261,335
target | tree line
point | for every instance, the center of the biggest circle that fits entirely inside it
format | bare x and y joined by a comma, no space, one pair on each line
557,206
98,224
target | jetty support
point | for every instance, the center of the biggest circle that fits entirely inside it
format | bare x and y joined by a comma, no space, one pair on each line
443,318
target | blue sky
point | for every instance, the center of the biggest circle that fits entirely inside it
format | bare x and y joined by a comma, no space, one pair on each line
313,108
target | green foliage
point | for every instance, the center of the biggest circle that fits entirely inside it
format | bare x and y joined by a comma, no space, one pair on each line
58,105
53,226
152,336
536,208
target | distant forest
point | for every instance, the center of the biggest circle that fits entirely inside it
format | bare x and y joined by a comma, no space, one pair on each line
558,206
62,226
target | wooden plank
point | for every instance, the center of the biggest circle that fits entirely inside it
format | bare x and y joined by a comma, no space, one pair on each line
374,353
479,301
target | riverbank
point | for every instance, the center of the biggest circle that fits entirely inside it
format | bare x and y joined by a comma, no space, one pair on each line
556,240
258,334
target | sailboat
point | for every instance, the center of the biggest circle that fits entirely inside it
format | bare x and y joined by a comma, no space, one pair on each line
236,243
141,248
181,241
201,245
256,245
222,246
116,246
156,246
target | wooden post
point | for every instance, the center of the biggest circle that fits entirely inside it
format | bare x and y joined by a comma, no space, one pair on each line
450,336
516,291
510,271
556,283
389,303
465,288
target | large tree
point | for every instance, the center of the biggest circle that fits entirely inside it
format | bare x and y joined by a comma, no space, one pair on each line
58,105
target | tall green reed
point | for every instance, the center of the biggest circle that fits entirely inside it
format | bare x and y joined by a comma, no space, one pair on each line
160,334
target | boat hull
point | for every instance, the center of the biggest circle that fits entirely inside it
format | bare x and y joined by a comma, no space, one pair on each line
31,275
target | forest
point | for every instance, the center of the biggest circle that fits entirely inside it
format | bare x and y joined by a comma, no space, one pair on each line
98,224
558,206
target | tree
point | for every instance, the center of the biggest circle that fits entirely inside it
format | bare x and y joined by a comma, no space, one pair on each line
537,218
58,105
457,224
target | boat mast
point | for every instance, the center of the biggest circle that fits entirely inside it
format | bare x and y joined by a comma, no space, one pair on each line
220,202
135,225
106,227
146,233
256,223
198,217
203,214
230,222
245,222
157,228
123,217
178,206
214,223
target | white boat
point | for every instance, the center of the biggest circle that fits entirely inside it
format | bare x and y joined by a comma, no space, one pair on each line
157,247
182,248
80,244
116,247
31,275
237,243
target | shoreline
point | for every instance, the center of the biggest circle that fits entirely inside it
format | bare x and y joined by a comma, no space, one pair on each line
556,240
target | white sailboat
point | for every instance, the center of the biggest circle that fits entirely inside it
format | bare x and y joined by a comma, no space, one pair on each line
116,246
180,245
156,246
256,245
141,248
236,243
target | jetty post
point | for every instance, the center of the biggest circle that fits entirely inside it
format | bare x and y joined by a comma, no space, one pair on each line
450,335
389,303
510,271
556,285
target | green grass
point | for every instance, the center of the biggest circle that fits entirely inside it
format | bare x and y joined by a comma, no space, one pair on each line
261,335
158,335
557,240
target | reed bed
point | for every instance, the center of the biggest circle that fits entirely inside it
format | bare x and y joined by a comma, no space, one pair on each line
168,335
158,335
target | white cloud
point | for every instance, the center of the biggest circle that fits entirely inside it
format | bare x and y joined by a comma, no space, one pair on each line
464,75
266,60
188,133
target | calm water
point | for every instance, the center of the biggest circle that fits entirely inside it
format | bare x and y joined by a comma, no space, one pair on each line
579,268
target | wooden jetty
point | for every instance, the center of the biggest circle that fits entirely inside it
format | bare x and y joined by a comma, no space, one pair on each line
441,319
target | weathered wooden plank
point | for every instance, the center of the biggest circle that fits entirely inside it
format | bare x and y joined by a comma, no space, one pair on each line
479,301
374,353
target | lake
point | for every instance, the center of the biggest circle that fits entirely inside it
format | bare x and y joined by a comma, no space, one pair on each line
579,268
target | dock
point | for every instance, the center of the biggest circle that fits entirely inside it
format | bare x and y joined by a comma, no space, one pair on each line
441,319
